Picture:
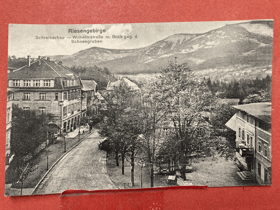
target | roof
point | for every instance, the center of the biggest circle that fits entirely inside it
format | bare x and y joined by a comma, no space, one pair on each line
123,81
232,123
231,101
99,96
40,69
88,85
261,111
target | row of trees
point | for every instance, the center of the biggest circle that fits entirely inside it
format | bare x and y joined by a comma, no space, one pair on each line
100,75
29,130
242,88
167,120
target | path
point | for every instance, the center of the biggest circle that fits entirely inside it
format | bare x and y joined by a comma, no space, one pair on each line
82,168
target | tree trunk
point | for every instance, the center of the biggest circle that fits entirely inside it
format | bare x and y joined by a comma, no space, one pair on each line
122,164
169,165
152,175
132,169
117,158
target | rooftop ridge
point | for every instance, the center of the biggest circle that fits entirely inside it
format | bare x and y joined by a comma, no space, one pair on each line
52,68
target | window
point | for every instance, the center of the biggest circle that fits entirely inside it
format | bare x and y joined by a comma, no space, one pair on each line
243,135
259,169
11,96
8,115
42,96
265,150
239,133
248,139
250,120
26,96
64,111
26,83
16,83
47,83
69,109
26,108
259,147
36,83
56,96
266,175
65,95
264,126
79,108
200,132
42,110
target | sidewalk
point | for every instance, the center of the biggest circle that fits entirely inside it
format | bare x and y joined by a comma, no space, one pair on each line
44,160
123,181
73,134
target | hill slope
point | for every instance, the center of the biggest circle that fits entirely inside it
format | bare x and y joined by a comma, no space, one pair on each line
247,43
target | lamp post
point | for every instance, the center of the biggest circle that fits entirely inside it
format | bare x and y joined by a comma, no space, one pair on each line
81,107
60,103
142,164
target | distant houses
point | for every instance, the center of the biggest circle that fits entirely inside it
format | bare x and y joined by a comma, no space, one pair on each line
252,124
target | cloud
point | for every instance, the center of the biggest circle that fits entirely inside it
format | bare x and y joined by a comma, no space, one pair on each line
120,29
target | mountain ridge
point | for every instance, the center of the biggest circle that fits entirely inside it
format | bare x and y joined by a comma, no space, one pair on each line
233,43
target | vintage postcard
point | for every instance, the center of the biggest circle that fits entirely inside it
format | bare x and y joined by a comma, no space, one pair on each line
122,106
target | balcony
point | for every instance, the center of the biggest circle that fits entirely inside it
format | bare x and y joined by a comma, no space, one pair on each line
246,152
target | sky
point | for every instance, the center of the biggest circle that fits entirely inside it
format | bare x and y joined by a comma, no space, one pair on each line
23,42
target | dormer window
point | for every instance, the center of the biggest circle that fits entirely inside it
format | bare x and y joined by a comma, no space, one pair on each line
47,83
16,83
36,83
27,83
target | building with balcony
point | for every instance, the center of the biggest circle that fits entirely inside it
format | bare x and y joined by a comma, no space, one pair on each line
47,87
88,93
9,127
252,123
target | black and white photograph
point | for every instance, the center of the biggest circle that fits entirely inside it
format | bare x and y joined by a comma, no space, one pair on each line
138,105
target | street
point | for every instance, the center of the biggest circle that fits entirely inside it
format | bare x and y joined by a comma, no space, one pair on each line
83,168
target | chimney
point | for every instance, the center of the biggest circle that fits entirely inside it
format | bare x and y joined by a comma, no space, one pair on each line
28,60
39,59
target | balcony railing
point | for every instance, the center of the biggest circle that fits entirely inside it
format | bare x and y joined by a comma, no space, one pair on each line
246,152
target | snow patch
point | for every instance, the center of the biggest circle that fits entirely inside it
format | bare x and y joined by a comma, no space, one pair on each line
258,29
212,43
195,60
149,60
167,55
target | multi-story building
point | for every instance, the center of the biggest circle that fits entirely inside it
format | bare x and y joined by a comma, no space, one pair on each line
88,93
47,87
252,123
8,127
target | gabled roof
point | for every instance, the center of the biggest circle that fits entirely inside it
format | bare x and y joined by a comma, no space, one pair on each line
123,81
232,123
261,111
40,69
88,85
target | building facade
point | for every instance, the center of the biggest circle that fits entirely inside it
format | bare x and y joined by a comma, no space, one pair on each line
252,123
47,87
88,93
9,127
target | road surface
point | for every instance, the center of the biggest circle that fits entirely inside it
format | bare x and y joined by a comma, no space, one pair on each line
83,168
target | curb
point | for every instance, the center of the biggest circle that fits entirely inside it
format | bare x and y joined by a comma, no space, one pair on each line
53,165
113,181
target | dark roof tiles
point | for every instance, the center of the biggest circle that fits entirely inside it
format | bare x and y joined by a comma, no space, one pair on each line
44,69
261,111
